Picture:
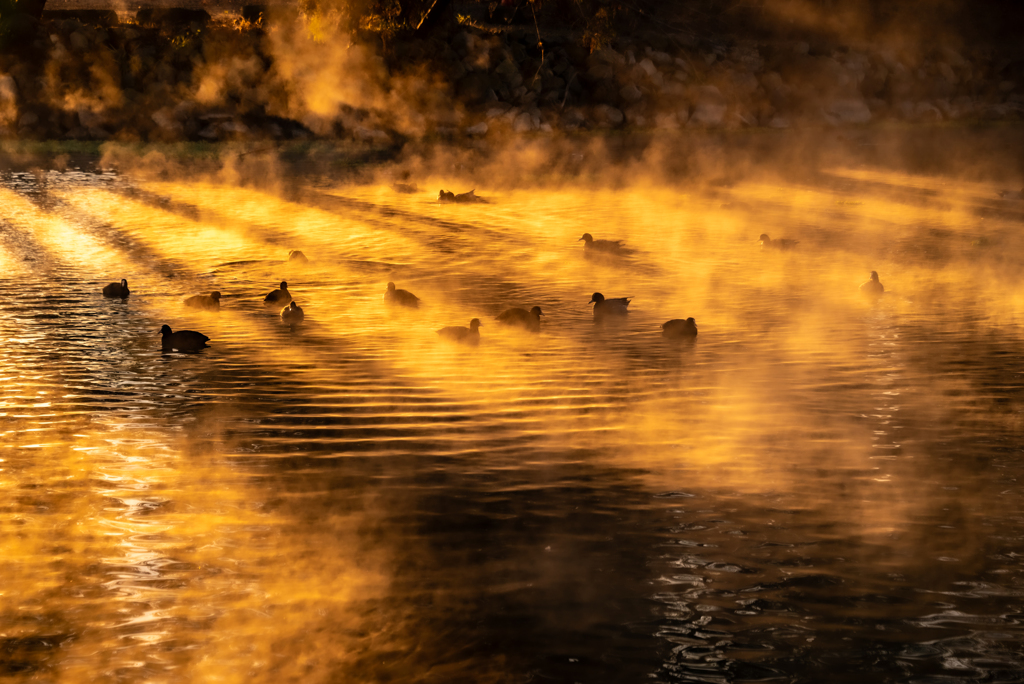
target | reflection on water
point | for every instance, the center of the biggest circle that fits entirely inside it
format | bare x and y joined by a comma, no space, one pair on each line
816,488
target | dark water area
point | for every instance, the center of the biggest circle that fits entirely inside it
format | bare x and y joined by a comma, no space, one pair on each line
820,487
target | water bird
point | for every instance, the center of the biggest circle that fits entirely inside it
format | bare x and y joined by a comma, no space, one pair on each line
210,302
783,243
872,288
405,188
1011,195
609,307
603,246
278,297
292,314
403,297
449,197
522,318
460,333
116,290
183,340
679,329
297,256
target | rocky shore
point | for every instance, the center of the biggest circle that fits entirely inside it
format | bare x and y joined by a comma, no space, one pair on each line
240,81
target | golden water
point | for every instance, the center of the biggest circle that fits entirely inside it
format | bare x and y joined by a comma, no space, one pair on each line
819,487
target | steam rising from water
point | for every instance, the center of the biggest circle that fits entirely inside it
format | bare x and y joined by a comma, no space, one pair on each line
360,499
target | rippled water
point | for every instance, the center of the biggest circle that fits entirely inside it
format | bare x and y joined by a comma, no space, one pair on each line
818,488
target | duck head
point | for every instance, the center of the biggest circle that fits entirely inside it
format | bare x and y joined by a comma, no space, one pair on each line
587,237
474,324
391,287
764,238
596,299
165,330
874,276
215,296
124,283
536,311
284,286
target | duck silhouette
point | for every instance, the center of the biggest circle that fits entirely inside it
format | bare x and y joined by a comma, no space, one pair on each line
872,288
403,297
116,290
278,297
183,340
784,243
462,334
609,307
521,318
602,246
210,302
678,328
292,314
297,256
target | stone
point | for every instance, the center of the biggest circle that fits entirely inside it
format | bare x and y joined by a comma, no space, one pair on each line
497,110
546,128
630,93
234,127
166,120
606,56
648,67
659,57
606,115
600,72
710,108
779,122
846,111
372,135
523,123
477,130
666,121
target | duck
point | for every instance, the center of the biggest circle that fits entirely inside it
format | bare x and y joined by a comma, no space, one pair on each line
609,307
522,318
210,302
459,333
604,246
405,188
445,197
292,314
403,297
679,329
183,340
449,197
278,297
116,290
783,243
297,256
872,288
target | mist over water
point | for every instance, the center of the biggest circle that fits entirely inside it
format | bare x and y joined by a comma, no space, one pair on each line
820,486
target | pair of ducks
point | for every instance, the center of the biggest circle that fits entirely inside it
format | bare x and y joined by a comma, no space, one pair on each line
183,340
292,314
518,318
604,309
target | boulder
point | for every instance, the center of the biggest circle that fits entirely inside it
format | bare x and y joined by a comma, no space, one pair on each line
477,130
165,119
608,116
709,109
524,123
631,93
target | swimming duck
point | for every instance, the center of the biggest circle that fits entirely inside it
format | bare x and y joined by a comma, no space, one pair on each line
522,318
872,288
784,243
210,302
605,246
292,314
297,256
405,188
449,197
609,307
459,333
183,340
403,297
116,290
278,297
445,197
678,329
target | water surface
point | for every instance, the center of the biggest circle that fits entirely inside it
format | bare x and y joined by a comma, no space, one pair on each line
818,487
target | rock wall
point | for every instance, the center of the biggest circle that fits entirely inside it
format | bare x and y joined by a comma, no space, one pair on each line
132,83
